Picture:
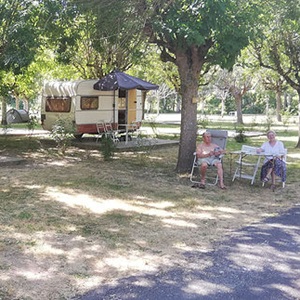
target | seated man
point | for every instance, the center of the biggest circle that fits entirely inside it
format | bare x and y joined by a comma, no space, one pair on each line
208,154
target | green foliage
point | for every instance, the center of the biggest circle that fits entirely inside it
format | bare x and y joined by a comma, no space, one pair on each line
19,37
203,122
62,133
269,120
240,137
153,126
107,148
32,123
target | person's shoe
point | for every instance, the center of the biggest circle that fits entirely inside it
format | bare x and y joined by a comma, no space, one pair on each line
201,186
266,179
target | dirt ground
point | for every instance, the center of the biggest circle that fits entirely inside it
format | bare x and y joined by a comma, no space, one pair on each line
69,224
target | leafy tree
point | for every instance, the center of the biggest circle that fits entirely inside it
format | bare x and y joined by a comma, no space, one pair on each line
237,83
190,34
18,42
279,48
276,84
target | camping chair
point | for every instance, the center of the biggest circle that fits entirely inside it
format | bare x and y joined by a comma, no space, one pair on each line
110,132
278,179
218,137
247,164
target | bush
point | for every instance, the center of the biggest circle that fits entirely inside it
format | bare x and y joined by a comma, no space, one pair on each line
107,148
62,132
240,137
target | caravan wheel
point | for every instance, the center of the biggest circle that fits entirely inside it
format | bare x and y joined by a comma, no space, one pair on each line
78,136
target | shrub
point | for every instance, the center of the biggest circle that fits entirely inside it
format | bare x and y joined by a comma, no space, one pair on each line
107,148
62,132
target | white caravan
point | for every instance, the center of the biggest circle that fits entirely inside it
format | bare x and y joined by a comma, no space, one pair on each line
78,102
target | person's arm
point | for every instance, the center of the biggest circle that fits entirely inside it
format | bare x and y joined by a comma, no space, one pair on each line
219,151
262,148
280,149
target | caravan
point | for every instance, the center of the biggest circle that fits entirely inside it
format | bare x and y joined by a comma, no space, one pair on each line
85,106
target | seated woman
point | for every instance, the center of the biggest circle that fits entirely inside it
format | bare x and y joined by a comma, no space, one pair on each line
273,164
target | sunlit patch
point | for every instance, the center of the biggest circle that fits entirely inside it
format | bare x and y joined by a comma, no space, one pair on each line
48,250
198,215
180,223
183,247
132,261
205,288
144,282
222,209
57,163
101,206
90,282
161,205
294,155
4,277
32,186
32,275
288,290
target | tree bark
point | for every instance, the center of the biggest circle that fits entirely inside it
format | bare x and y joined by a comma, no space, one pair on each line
189,68
298,143
239,114
278,106
3,106
278,103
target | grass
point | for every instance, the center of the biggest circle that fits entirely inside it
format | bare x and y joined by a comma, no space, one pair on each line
71,223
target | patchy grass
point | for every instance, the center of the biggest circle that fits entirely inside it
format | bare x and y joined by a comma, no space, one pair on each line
71,223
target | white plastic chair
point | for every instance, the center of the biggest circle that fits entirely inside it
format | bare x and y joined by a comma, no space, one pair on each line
218,137
110,132
247,164
100,130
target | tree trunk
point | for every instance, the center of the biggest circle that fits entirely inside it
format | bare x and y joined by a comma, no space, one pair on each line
278,105
189,75
239,114
3,106
298,144
187,145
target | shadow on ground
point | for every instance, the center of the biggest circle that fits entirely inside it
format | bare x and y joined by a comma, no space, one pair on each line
261,261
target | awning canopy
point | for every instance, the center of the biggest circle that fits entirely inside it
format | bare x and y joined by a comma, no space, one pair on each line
119,80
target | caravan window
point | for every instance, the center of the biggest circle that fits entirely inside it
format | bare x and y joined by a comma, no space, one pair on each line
58,104
88,103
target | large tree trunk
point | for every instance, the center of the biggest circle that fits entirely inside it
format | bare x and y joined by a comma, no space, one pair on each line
189,76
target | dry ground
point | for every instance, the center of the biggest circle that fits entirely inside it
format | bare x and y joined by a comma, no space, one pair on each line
70,224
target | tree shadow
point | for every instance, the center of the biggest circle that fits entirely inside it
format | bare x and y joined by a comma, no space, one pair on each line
260,261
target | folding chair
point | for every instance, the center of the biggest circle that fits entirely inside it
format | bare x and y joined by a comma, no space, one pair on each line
283,157
247,164
218,137
110,132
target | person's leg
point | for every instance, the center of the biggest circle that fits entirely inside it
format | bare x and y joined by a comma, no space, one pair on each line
220,174
203,169
270,173
267,170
